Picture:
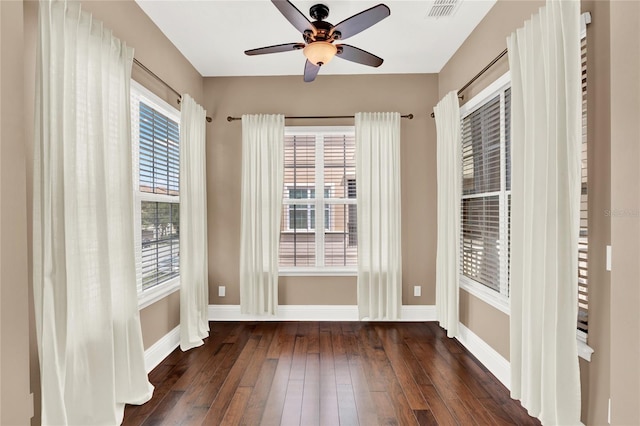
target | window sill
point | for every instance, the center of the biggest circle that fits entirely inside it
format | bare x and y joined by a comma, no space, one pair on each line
584,350
501,303
317,272
487,295
156,293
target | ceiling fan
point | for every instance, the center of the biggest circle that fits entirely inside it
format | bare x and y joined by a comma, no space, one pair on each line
319,36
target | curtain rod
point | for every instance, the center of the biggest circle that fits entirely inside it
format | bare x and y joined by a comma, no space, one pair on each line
477,76
315,117
154,75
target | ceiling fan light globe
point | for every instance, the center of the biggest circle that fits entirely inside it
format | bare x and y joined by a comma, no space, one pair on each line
320,52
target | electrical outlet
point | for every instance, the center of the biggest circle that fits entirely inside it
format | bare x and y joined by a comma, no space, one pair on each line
417,291
222,291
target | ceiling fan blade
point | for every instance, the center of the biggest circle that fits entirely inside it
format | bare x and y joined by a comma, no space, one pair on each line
287,47
310,71
361,21
294,16
360,56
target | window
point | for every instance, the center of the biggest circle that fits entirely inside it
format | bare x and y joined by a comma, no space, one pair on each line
156,186
583,242
319,177
486,194
304,217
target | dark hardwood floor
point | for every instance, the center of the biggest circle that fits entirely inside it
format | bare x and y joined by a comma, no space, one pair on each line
326,373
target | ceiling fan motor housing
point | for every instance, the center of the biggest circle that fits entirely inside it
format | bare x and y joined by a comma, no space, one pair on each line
319,12
323,33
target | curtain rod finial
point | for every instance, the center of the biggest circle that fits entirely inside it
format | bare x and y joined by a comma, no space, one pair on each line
209,119
410,116
229,118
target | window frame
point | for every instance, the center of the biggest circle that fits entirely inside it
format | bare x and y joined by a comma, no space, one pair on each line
499,300
321,204
309,209
157,292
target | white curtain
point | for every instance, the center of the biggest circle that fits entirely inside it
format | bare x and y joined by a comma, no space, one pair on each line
262,180
86,306
447,114
194,282
379,215
544,58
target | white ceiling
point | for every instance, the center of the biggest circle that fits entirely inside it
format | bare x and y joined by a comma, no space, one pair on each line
213,35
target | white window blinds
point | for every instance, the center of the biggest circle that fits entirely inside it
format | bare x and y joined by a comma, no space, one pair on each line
583,242
486,193
159,152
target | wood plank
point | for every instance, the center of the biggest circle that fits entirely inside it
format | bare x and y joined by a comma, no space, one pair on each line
328,390
180,413
260,394
219,376
197,411
364,403
394,347
277,393
373,355
236,406
162,390
292,409
250,376
160,413
311,393
228,389
347,411
425,418
380,362
441,411
313,338
384,408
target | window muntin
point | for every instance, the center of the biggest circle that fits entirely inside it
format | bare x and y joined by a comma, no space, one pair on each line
486,187
156,186
319,161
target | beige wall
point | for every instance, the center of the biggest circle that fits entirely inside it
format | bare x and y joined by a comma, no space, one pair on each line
14,321
491,324
328,95
625,205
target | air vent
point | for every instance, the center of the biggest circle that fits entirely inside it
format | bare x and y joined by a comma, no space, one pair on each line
442,8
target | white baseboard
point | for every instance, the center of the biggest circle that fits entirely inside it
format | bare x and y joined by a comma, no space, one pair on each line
161,349
418,313
316,313
488,356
